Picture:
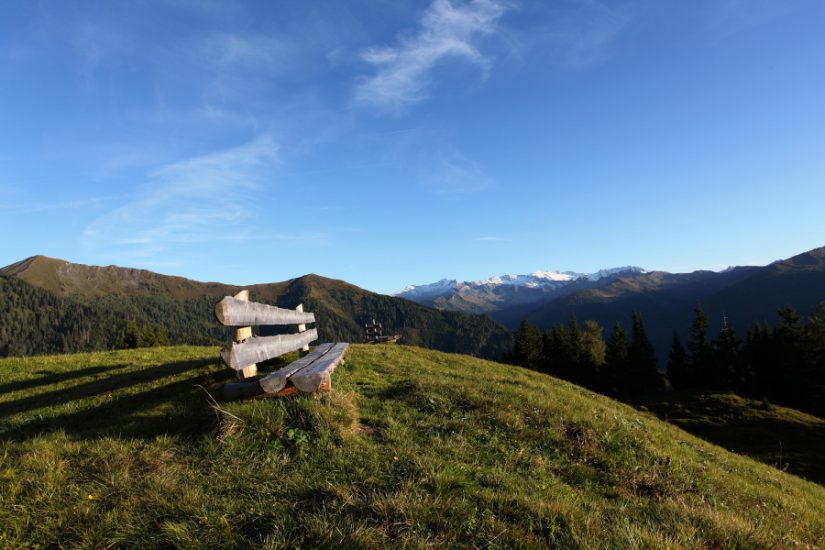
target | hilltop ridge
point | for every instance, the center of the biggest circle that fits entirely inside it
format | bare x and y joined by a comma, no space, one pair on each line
51,305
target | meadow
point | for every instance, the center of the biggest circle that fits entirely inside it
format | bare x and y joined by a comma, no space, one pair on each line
412,448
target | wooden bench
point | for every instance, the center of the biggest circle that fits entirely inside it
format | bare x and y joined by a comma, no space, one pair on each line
374,334
310,373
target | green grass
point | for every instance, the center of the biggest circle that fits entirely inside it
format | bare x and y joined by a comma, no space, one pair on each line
412,448
785,438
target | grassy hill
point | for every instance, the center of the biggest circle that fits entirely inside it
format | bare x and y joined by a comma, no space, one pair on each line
49,305
412,448
786,438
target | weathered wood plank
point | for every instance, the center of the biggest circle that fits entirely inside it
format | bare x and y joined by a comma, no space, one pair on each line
302,327
234,312
242,334
276,381
238,390
312,378
261,348
241,390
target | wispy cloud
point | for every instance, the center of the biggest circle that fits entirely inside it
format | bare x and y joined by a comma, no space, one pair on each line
447,29
493,239
728,17
456,173
33,208
580,33
194,200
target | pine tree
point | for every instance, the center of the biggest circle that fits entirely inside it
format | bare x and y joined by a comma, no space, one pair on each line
574,351
590,355
699,348
161,336
131,337
814,342
678,368
788,344
527,345
554,350
644,372
725,370
593,343
616,352
758,353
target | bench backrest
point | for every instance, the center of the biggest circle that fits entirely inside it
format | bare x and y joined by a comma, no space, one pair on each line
248,350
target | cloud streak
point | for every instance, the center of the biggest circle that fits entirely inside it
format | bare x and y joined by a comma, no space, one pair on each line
199,199
493,239
446,30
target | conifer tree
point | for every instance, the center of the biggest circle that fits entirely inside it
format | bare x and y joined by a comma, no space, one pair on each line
699,348
131,337
645,377
788,344
814,335
678,369
616,352
590,355
593,343
160,336
527,345
725,371
559,350
758,354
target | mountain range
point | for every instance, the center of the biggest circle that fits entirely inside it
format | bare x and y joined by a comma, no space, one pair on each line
738,296
49,305
505,291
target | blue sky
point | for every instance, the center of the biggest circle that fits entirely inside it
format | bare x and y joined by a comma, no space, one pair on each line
387,142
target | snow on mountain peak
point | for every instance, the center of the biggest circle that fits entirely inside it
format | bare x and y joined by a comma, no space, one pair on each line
536,279
602,273
555,275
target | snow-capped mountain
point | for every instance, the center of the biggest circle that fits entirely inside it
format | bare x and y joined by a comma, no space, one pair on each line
495,293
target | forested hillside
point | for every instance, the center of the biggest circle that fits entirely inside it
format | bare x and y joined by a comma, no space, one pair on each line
783,362
52,306
739,296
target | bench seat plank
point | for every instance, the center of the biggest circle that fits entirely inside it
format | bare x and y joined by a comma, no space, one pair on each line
316,375
276,381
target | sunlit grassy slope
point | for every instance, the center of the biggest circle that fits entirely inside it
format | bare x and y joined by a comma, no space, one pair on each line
412,448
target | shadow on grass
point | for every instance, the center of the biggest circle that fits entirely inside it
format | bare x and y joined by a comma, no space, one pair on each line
179,407
50,378
789,444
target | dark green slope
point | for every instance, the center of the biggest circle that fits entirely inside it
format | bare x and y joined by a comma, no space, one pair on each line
39,292
744,295
798,281
341,309
35,321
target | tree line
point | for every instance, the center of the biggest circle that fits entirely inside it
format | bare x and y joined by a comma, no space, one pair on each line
36,321
783,363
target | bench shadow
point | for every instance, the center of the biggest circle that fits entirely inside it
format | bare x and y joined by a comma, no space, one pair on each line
50,377
174,408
